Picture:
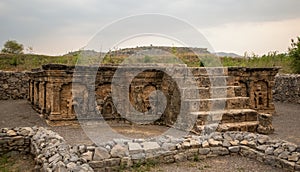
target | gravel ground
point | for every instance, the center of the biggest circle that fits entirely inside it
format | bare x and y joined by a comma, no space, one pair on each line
216,164
286,122
18,113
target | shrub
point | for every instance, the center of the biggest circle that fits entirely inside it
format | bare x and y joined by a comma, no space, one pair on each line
294,53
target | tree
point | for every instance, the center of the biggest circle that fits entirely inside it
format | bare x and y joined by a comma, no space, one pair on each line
12,47
294,53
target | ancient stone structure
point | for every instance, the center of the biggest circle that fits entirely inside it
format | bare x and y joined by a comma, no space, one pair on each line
50,150
52,153
226,98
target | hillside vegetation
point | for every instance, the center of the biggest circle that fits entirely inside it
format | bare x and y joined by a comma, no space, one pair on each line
25,62
21,62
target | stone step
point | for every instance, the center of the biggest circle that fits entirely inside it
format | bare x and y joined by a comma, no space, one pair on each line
226,116
249,126
195,105
211,92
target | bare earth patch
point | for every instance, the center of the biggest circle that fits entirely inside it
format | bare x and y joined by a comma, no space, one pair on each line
16,163
216,164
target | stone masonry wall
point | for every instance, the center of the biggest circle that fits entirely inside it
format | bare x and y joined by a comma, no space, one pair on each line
13,85
15,139
193,96
287,88
120,153
52,153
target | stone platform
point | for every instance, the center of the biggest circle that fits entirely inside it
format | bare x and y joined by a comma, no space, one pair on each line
197,99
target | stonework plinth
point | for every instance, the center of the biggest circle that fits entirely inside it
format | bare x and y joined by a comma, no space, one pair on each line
230,97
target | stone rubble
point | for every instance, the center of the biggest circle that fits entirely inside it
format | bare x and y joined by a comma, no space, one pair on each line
52,153
277,153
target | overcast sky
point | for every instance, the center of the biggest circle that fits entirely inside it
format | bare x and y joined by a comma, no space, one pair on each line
59,26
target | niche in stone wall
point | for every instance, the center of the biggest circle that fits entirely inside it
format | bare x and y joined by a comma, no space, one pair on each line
260,94
104,101
73,97
139,97
146,96
244,89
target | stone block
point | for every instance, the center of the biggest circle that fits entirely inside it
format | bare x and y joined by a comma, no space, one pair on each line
100,154
150,146
119,151
234,149
134,148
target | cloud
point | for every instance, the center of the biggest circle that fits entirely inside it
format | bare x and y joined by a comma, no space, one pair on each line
254,37
32,20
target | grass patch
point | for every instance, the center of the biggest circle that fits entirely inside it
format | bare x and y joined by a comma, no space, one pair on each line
141,167
11,162
22,62
5,163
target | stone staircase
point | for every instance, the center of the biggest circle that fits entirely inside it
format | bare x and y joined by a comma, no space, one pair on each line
217,103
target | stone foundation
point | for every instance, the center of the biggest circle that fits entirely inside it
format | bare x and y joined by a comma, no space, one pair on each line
53,154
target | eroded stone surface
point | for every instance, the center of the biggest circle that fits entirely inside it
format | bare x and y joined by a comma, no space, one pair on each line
232,96
53,154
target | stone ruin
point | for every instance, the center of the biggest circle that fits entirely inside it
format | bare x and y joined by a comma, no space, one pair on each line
52,153
234,98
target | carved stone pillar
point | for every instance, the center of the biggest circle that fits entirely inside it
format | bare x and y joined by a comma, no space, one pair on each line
42,98
36,94
48,98
30,91
270,96
55,101
91,103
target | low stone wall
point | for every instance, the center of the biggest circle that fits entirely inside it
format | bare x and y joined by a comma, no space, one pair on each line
15,139
50,150
287,88
53,154
119,153
13,85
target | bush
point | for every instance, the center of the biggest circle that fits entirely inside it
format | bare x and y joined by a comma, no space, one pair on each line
294,53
